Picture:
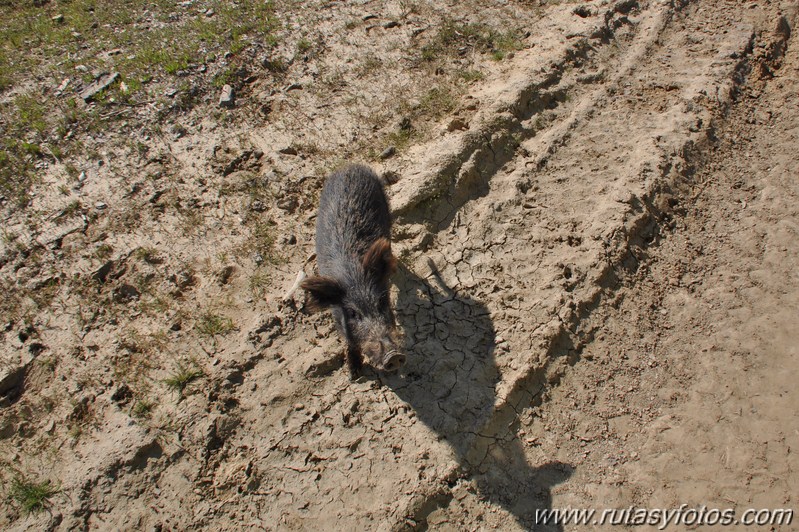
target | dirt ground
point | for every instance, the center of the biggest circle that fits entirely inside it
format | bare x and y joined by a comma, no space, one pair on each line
598,286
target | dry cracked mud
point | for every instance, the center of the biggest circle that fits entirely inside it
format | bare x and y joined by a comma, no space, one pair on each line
597,289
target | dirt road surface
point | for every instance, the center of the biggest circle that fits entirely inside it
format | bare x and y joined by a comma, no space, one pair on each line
598,288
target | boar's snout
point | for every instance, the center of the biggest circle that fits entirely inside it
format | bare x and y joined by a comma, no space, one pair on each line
393,361
384,354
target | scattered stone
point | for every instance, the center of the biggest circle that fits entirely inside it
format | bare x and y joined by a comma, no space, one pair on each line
388,152
210,13
322,366
110,270
258,206
58,19
183,279
36,348
125,293
223,277
288,204
227,98
390,177
293,87
391,24
52,234
457,124
122,395
102,83
61,88
12,379
171,92
38,283
437,517
100,206
257,258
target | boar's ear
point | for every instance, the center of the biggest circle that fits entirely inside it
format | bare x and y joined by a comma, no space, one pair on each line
322,292
378,259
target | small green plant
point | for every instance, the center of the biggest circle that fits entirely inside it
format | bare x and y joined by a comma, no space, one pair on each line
70,210
471,75
182,376
31,496
103,251
48,363
259,281
192,220
304,45
75,431
456,37
437,102
148,255
370,64
142,409
264,239
211,324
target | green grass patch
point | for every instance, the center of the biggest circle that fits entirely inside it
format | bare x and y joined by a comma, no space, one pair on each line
182,376
457,38
142,408
31,496
211,324
142,40
471,75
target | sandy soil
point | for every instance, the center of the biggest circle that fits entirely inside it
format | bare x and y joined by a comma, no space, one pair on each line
597,287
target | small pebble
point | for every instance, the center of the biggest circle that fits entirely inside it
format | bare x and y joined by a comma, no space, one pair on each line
227,98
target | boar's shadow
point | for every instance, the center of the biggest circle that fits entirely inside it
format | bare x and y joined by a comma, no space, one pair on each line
450,381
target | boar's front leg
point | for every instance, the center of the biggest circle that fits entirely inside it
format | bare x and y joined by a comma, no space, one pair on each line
354,361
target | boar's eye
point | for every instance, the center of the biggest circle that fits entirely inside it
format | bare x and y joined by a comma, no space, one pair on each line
352,313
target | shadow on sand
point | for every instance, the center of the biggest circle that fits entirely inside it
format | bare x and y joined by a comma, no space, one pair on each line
451,382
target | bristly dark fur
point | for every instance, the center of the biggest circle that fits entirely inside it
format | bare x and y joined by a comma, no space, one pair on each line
322,292
378,259
353,253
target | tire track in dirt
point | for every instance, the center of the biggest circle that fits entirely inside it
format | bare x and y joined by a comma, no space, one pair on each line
477,360
612,217
511,235
682,397
343,455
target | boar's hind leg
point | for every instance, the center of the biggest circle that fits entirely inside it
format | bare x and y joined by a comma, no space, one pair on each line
354,361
